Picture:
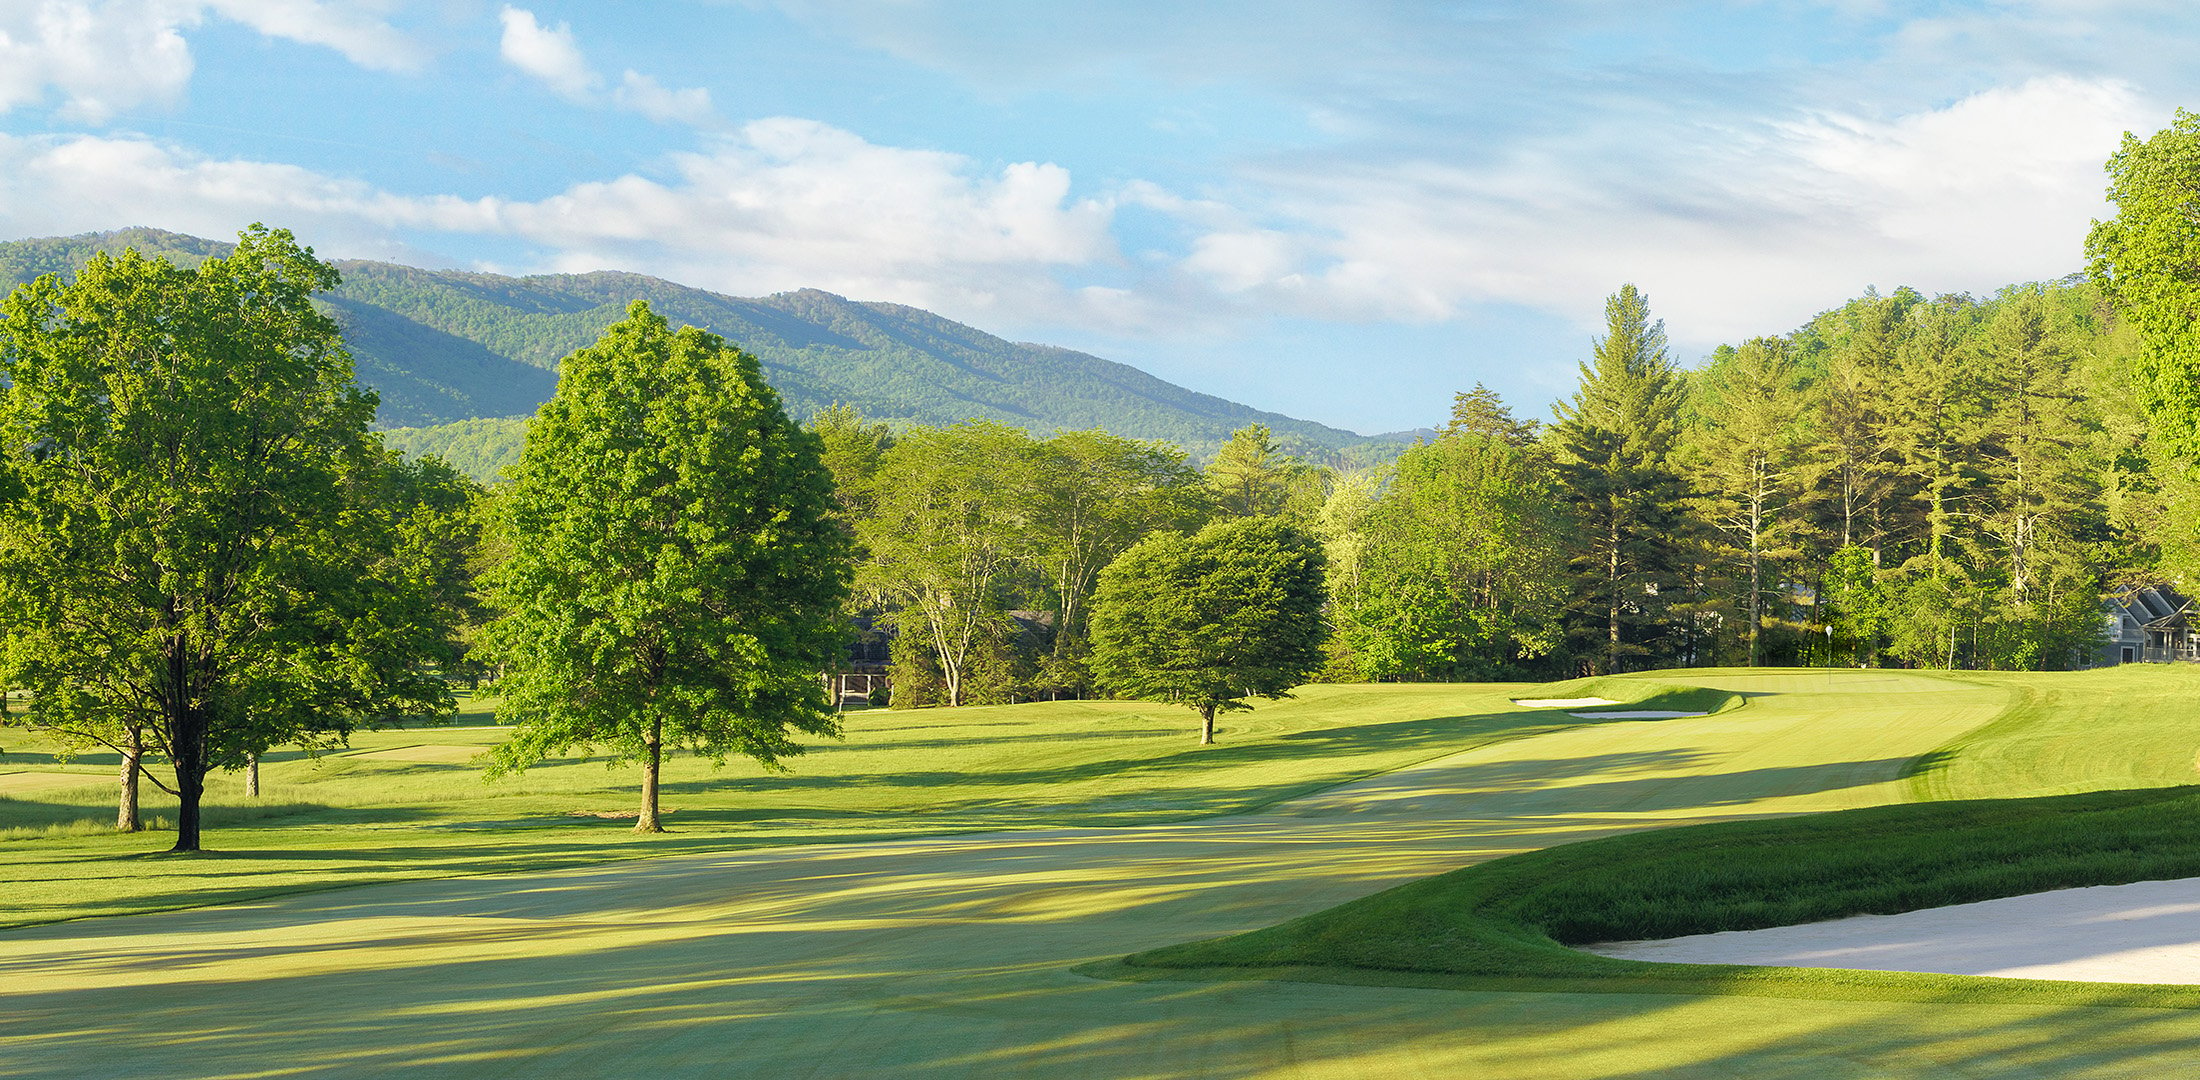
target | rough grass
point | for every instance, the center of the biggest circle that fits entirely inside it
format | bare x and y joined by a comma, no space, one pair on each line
406,803
1508,922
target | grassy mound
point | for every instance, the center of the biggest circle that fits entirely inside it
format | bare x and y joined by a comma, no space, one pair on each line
1509,922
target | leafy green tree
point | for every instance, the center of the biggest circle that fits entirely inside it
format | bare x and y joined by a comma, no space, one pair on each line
1208,620
854,449
1481,411
202,554
952,543
1852,603
677,573
2147,259
1096,495
1613,445
1458,577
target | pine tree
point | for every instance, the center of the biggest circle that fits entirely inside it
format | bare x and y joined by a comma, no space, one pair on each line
1743,461
1613,443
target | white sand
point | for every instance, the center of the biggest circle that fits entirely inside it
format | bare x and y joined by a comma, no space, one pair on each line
1562,702
1637,714
2147,932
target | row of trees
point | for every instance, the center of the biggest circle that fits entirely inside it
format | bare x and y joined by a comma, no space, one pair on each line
205,552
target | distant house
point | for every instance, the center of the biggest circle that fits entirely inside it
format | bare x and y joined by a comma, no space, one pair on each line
2149,625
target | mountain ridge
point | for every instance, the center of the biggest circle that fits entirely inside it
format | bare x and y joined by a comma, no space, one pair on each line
459,346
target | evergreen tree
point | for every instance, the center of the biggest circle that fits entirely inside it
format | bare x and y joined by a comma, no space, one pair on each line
1613,444
1251,475
1743,464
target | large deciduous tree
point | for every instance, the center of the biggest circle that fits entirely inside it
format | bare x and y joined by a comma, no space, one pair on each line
950,539
1231,612
2147,258
203,552
678,570
1456,572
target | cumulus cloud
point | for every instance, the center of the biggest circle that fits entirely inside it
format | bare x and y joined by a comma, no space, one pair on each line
547,53
550,54
1742,231
106,56
781,204
642,94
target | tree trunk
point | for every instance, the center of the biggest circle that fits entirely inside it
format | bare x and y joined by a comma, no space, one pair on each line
252,777
1611,583
187,738
126,807
652,760
1206,725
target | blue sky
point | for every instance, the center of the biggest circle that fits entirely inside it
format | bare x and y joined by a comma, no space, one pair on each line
1341,211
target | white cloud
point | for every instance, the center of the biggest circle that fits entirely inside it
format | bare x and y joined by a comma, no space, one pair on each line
642,94
106,56
783,204
548,53
552,55
102,57
358,31
1742,232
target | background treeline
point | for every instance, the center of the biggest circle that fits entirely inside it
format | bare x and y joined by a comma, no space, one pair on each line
1951,481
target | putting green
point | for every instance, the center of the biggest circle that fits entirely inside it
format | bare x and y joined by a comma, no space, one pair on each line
952,957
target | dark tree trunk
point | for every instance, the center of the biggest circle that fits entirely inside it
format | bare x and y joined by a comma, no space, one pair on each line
1206,725
652,761
126,807
187,740
1611,584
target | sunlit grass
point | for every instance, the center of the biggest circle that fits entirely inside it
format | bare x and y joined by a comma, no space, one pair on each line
1508,921
411,802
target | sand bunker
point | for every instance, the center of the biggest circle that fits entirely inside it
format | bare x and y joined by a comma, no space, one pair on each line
2147,932
1637,714
1562,702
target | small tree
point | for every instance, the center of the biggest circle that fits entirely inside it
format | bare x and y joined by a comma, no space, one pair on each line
1209,620
677,573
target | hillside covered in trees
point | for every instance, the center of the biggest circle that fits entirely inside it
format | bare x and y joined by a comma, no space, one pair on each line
446,346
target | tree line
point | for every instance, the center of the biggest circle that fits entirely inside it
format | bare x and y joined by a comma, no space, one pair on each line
205,552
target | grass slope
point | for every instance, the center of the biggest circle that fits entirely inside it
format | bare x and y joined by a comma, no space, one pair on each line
408,803
1507,922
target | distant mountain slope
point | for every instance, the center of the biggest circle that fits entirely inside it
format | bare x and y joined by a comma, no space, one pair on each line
443,346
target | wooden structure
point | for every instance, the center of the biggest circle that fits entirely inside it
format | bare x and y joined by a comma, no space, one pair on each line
2149,625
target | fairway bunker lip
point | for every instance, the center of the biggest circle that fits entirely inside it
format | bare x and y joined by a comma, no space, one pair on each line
2140,932
1562,702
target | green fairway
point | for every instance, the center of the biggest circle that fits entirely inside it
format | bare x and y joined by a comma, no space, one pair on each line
955,956
2010,831
410,802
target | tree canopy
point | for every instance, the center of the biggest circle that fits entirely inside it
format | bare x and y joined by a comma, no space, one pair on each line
1231,612
677,571
203,551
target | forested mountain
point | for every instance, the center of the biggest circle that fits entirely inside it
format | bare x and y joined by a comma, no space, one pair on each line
443,346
